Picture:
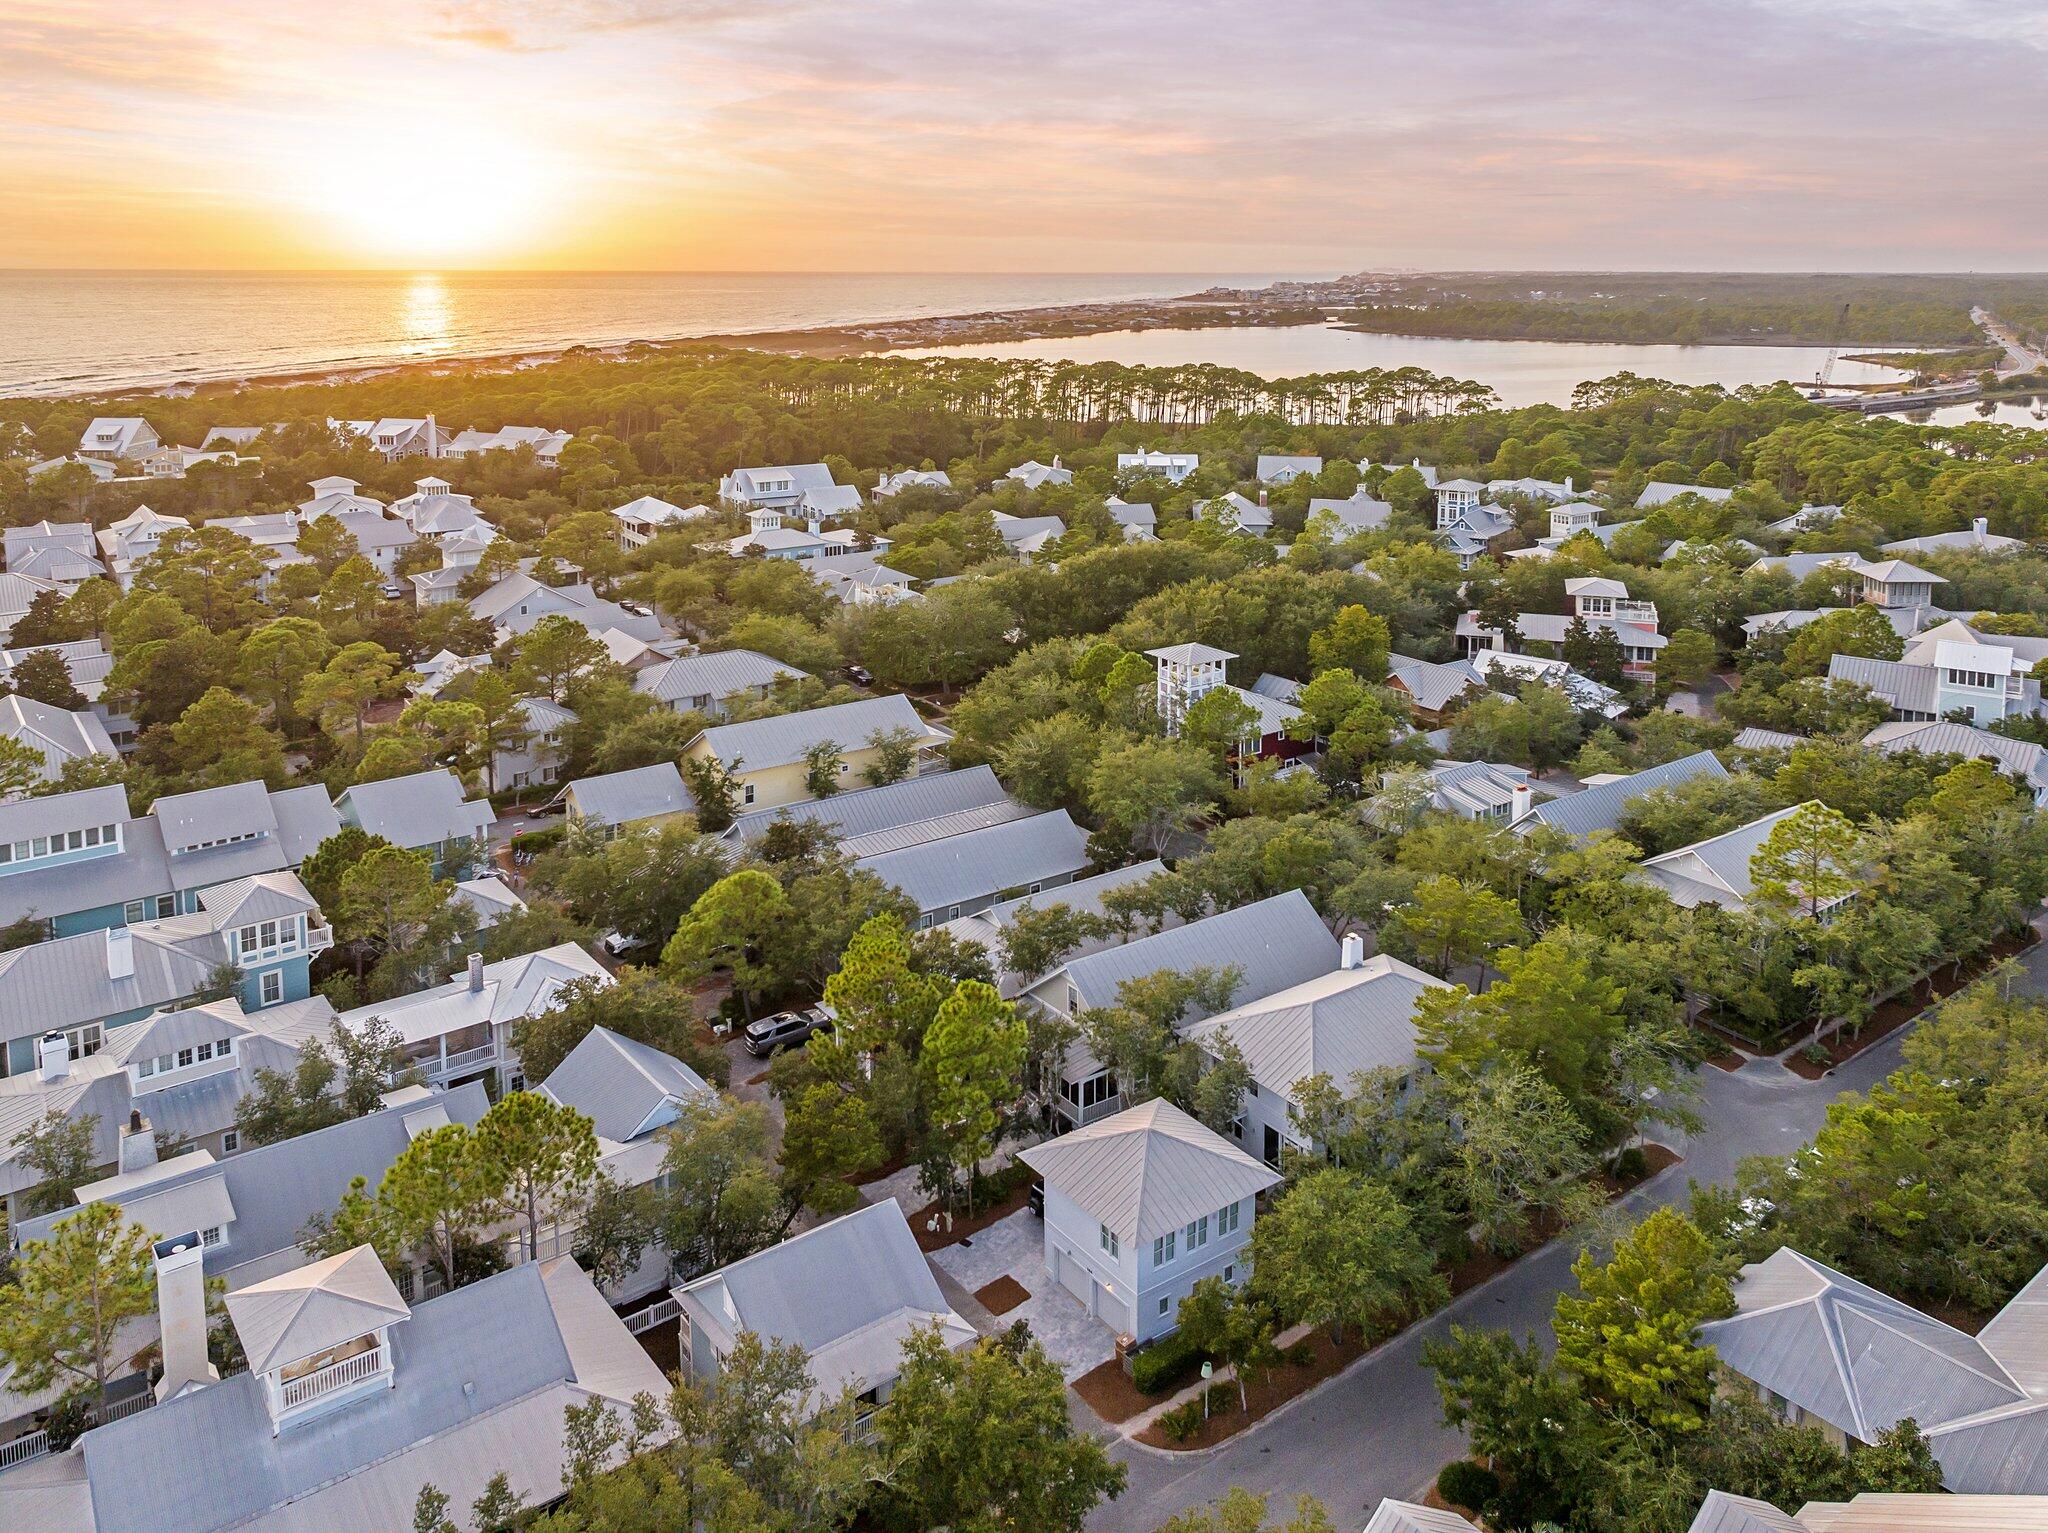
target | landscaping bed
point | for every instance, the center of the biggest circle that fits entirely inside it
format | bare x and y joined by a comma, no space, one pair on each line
1109,1392
1001,1296
1840,1047
1001,1196
1316,1358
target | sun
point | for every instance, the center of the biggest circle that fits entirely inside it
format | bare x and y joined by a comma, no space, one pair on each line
434,194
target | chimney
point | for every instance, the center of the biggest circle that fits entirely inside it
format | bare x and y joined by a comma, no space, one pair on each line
53,1057
476,973
1262,497
1524,799
433,437
120,953
1981,526
181,1312
1353,956
138,1143
1569,492
1055,460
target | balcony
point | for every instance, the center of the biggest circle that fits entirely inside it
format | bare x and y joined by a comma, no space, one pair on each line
348,1372
319,938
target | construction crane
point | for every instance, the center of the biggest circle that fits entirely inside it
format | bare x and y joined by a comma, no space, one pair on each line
1827,368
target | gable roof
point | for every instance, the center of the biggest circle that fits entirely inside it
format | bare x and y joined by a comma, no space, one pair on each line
1412,1517
2020,758
869,812
56,734
1715,871
1857,1358
782,740
1148,1169
1275,942
1723,1513
639,793
418,810
1336,1024
620,1083
1432,684
716,675
1602,806
512,988
954,870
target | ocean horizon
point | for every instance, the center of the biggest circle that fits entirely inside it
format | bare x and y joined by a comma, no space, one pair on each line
82,332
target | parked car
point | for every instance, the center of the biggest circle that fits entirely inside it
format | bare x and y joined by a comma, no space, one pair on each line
861,675
392,590
619,944
785,1030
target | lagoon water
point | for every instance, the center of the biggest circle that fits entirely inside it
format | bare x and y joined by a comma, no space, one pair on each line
1521,372
79,332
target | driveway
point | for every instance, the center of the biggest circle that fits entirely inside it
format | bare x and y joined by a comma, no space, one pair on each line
1378,1430
1015,1247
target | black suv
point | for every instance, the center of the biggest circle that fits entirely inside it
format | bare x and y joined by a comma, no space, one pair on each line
784,1030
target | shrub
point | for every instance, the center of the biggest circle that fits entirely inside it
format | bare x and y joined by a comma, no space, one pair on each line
1165,1365
71,1417
1630,1165
1472,1486
545,839
1815,1054
1182,1422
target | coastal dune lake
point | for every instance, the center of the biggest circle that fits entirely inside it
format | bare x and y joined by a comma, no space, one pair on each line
1521,372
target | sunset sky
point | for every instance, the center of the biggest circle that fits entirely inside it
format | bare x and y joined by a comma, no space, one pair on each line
1020,135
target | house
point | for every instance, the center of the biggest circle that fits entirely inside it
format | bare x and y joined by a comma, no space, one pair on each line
110,438
251,1206
434,511
1238,513
1977,538
631,1092
1431,687
777,542
89,985
55,734
849,1292
1480,790
1921,644
353,1399
1735,551
490,899
1895,583
956,875
1599,604
547,445
1660,492
101,470
797,490
708,683
1829,1352
1271,943
462,1030
1285,468
1557,491
865,821
134,538
1035,475
394,437
1985,681
1805,519
640,521
2021,760
517,603
87,663
1142,1205
1190,672
910,479
861,579
63,552
336,495
1024,536
640,796
173,462
17,592
1717,871
379,538
766,757
987,928
1173,467
538,759
442,669
183,1073
1360,1016
1755,739
1139,522
1583,692
235,437
1602,806
1359,513
1464,524
423,812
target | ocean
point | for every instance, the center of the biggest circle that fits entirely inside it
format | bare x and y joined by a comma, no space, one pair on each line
89,332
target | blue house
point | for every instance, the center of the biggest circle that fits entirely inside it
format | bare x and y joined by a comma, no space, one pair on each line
423,812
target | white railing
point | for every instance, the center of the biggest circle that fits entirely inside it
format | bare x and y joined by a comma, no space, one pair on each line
652,1316
293,1393
319,938
36,1445
464,1059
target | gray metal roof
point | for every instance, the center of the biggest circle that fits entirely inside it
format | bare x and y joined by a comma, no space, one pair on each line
1715,871
782,740
959,822
65,982
1723,1513
1148,1169
1998,1453
1337,1024
2020,758
1657,492
643,793
962,869
417,810
1082,895
1282,689
1431,684
56,734
1908,688
620,1084
716,675
1601,807
865,811
1756,739
308,1310
1274,942
1858,1359
483,1374
87,807
1412,1517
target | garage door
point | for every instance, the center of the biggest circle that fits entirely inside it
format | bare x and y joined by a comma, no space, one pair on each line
1075,1279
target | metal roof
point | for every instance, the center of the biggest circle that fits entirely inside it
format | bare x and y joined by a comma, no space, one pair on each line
418,810
783,739
716,675
642,793
1412,1517
959,822
1431,684
1601,807
957,870
2020,758
620,1084
1148,1169
1723,1513
865,811
1715,871
300,1313
1274,942
512,988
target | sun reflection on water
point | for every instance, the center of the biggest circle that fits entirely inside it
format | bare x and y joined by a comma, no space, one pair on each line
425,316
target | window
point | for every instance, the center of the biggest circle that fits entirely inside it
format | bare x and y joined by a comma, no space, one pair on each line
1982,680
224,1048
1226,1219
1097,1089
147,1068
205,1051
210,1236
230,1142
747,793
273,987
1162,1249
1107,1237
132,911
1230,1274
1196,1235
184,1058
1162,1306
166,905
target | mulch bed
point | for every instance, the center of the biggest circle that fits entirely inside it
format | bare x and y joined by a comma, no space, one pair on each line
1656,1157
1902,1008
757,1080
1326,1359
1108,1391
963,1225
1002,1296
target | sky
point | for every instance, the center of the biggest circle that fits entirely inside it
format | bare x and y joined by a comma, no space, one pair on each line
1025,135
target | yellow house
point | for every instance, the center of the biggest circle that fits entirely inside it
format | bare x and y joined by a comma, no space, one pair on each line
767,757
645,795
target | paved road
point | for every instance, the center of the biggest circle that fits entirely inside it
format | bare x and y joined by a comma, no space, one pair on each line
2019,357
1378,1430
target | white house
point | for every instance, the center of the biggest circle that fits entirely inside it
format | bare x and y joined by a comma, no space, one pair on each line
641,520
133,539
1034,475
539,758
912,478
111,437
1173,467
797,490
1285,468
547,445
1142,1205
1465,524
